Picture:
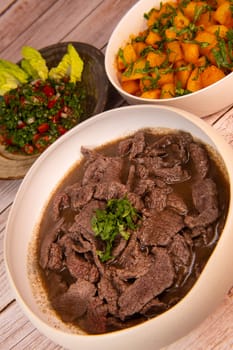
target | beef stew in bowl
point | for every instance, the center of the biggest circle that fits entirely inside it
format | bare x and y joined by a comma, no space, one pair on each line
172,182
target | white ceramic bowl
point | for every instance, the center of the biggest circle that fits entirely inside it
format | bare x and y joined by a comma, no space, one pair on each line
202,103
42,179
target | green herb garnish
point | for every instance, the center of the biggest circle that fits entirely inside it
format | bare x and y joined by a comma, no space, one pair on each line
117,219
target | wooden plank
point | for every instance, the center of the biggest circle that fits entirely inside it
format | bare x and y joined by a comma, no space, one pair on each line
19,17
5,5
225,126
14,326
8,190
36,341
108,14
50,27
216,329
6,293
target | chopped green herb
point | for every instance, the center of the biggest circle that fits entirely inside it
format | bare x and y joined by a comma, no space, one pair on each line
117,219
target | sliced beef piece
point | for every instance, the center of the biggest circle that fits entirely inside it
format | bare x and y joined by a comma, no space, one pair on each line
200,159
182,257
102,169
119,245
135,201
132,146
133,262
159,277
138,145
80,195
173,175
60,202
83,219
144,186
141,171
153,308
95,320
109,190
108,293
131,177
178,143
47,241
204,194
73,304
81,268
157,198
55,260
176,202
159,228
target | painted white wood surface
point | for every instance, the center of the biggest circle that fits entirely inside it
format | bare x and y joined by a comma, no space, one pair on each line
41,23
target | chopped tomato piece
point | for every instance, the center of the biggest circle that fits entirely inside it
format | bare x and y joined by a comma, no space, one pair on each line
48,90
61,129
28,149
51,103
43,128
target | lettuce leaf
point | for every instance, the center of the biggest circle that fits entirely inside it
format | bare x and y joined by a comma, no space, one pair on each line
7,82
11,76
70,66
14,70
35,61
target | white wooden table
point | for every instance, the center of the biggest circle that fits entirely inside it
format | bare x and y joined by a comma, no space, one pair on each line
41,23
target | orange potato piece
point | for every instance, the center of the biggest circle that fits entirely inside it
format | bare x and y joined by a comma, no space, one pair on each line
165,76
194,82
155,59
152,38
174,51
191,8
153,15
170,33
223,14
181,21
190,52
153,93
220,29
129,56
137,71
206,38
130,86
138,47
168,90
206,19
211,74
182,76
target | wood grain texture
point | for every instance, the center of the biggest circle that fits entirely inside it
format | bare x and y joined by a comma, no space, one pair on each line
41,23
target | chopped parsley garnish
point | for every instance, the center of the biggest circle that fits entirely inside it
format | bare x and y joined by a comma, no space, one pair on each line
118,218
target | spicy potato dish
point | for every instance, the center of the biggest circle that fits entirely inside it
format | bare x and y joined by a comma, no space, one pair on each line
186,46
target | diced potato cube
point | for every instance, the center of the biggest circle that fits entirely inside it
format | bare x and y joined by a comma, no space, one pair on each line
131,86
126,56
155,59
211,74
174,51
194,82
168,90
151,94
218,29
183,71
136,71
181,21
190,52
153,38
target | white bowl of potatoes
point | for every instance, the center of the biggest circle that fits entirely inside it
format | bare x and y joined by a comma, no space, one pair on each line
177,55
